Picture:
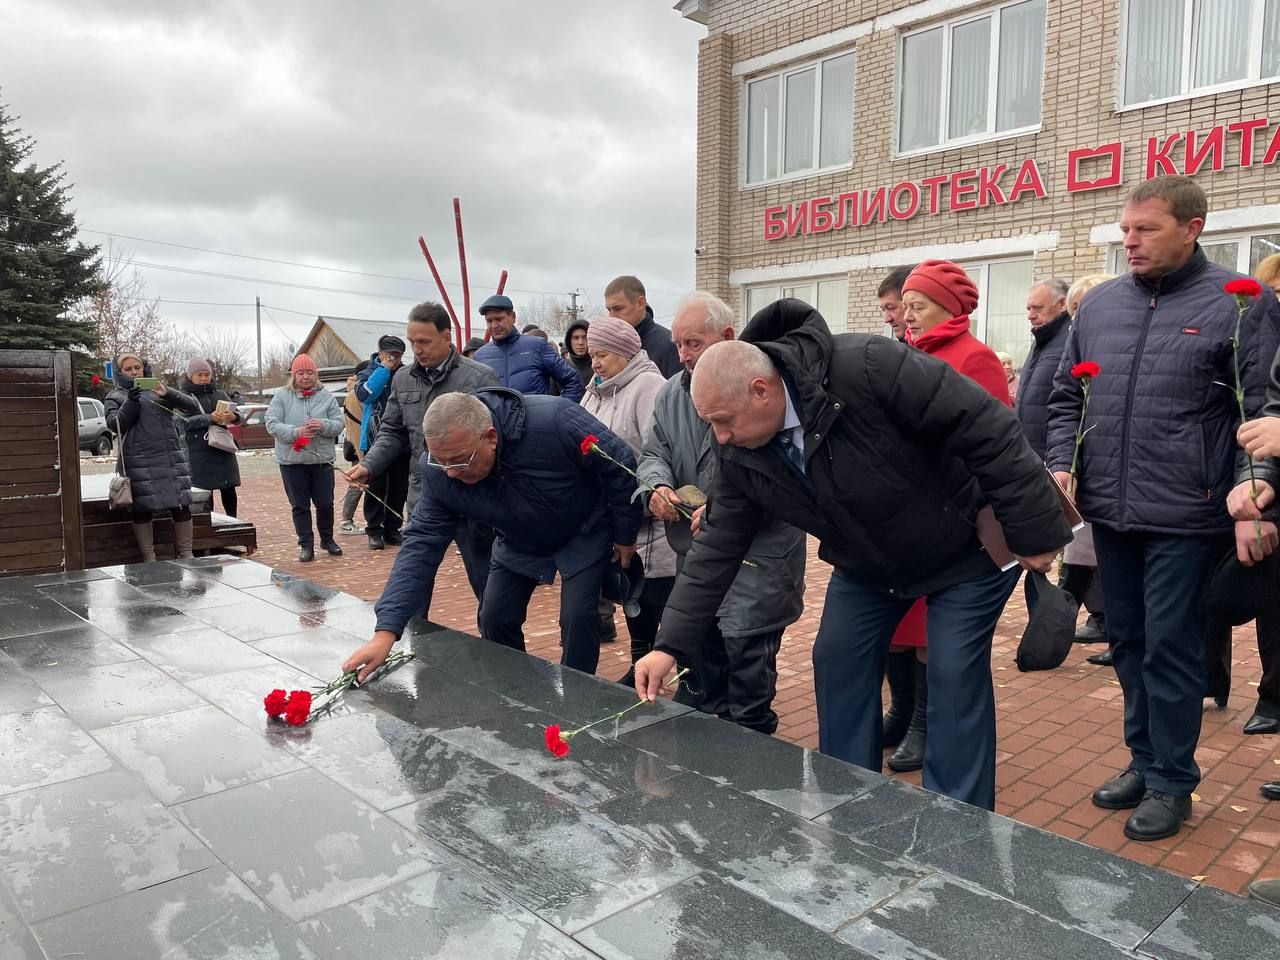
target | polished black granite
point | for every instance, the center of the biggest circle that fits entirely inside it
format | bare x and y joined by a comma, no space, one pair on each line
149,808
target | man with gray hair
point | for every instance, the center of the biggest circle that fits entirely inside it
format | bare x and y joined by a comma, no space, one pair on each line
515,462
887,455
736,669
1050,323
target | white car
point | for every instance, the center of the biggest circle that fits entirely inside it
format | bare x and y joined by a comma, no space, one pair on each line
94,435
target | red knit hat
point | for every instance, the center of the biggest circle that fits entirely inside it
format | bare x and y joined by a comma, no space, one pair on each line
945,284
302,362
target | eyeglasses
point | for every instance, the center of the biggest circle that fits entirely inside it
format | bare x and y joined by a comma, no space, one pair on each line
462,465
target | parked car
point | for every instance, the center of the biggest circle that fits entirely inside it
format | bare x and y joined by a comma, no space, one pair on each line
251,431
94,435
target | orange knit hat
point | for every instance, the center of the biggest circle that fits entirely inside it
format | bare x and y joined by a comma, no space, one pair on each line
302,362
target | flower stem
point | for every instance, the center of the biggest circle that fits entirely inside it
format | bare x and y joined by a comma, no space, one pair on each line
367,491
615,716
1241,307
644,483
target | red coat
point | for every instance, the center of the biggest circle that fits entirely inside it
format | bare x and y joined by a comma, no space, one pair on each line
953,344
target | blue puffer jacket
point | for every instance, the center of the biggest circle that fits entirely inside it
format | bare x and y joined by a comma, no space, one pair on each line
552,507
372,390
1035,380
1160,453
529,364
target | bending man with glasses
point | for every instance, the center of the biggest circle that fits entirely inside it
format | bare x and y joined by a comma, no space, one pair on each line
515,462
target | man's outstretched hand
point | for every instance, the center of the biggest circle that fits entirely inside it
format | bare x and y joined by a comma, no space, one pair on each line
371,656
651,670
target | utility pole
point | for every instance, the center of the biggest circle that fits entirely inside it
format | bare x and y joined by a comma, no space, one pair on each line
573,310
257,309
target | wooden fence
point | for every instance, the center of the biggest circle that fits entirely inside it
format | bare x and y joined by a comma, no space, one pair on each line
40,524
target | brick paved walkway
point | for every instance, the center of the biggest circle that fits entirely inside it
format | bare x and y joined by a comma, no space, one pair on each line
1059,732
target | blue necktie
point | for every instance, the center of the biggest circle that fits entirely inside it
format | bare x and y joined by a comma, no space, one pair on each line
792,451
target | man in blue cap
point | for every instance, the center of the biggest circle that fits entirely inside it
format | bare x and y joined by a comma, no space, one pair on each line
525,363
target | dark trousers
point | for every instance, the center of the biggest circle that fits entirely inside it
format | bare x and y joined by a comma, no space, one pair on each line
392,487
229,501
848,664
506,606
736,678
1218,657
1153,584
475,543
306,484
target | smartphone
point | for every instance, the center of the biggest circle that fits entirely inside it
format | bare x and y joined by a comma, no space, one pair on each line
146,383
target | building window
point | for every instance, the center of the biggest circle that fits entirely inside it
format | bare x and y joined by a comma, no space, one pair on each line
973,78
800,121
1001,318
1178,47
1241,252
829,294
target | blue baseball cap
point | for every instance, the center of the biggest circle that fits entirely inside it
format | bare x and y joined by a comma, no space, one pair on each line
497,302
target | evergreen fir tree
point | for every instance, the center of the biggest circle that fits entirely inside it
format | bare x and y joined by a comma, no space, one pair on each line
44,270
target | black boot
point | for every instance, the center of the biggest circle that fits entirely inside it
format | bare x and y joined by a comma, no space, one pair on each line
910,753
899,670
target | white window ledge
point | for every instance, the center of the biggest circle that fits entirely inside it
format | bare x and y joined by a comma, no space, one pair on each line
792,177
969,142
1197,94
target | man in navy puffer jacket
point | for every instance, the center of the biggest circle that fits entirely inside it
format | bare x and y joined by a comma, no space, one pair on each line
1157,465
525,363
515,463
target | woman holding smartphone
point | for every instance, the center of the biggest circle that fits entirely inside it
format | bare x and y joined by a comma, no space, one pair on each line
145,415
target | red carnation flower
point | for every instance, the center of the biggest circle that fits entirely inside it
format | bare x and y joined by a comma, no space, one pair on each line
1085,368
555,743
1243,287
275,702
588,442
95,380
298,708
300,443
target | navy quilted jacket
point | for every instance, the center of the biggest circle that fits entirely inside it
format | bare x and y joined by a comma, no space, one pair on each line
553,507
1035,381
1160,453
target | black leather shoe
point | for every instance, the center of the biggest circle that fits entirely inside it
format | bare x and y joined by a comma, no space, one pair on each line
392,538
1123,793
1159,815
1266,891
1260,724
1091,632
1102,659
376,542
331,547
306,554
1270,790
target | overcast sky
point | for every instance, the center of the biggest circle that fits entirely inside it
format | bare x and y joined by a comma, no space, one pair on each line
335,133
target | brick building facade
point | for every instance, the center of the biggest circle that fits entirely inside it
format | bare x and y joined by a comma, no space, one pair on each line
840,138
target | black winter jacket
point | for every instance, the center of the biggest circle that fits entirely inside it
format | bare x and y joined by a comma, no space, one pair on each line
656,341
901,452
553,507
1159,456
211,469
1035,380
150,446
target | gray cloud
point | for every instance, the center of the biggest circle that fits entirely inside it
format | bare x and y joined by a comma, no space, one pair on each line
335,133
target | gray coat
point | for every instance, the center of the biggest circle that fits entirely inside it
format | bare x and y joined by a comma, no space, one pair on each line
286,414
412,391
151,448
768,592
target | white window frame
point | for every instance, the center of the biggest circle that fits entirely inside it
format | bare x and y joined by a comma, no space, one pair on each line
1115,262
781,76
1187,91
784,282
993,75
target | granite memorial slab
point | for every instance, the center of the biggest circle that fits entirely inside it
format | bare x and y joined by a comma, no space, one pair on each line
150,808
